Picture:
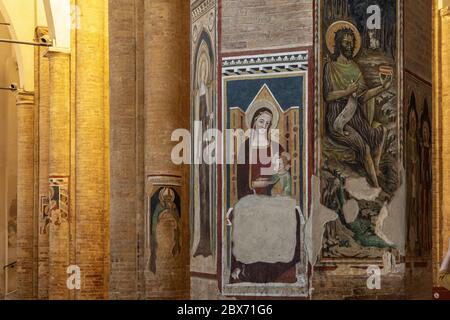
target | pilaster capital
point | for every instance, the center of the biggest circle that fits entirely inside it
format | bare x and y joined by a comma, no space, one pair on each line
445,12
24,98
40,32
53,52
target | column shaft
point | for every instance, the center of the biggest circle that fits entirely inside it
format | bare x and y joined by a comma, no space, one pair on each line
59,172
25,194
164,104
42,104
91,145
441,142
124,132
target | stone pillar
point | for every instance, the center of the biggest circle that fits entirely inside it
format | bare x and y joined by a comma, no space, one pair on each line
91,147
59,171
165,108
25,194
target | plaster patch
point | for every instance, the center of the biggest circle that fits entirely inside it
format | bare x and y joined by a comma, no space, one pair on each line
384,213
360,189
265,229
394,225
351,210
315,226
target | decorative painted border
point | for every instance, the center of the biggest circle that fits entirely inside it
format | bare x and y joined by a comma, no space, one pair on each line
201,7
265,64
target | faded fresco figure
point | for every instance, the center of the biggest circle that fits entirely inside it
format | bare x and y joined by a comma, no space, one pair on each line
425,181
204,171
282,179
165,229
348,117
412,178
12,224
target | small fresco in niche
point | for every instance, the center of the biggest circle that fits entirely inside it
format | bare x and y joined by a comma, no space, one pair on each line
360,145
163,224
264,202
165,219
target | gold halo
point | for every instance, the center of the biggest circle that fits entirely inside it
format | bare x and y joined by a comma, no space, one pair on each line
255,107
338,25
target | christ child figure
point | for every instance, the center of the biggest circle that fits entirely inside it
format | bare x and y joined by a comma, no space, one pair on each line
282,180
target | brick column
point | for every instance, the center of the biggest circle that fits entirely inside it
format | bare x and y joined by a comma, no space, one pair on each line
42,105
165,108
25,194
59,171
126,172
91,145
441,138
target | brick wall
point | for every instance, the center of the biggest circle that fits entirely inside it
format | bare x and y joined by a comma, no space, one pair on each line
418,40
418,61
265,24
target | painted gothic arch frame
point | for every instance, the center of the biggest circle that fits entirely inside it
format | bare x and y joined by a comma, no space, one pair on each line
203,214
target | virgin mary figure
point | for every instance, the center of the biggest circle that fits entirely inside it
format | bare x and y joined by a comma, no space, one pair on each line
265,236
259,155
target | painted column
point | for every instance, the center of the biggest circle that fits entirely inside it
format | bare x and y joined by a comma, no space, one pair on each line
91,145
25,194
59,172
166,109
